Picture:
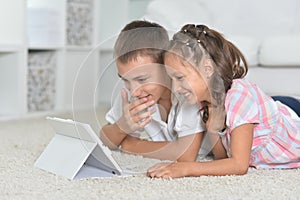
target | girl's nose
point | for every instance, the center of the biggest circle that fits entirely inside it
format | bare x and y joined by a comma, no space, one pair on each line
175,86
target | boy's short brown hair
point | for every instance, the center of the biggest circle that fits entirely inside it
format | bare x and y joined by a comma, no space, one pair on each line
141,38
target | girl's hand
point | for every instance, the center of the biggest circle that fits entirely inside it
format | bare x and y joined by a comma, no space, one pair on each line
136,115
169,170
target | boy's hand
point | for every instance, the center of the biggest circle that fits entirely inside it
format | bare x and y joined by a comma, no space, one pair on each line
216,121
136,115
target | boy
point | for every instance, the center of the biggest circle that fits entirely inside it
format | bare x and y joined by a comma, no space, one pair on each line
174,128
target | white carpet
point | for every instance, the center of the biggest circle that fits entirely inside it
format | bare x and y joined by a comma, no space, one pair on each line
22,141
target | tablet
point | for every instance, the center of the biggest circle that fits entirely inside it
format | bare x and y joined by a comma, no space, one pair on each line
74,148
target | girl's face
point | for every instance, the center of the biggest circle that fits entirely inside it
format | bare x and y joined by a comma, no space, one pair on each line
186,80
143,78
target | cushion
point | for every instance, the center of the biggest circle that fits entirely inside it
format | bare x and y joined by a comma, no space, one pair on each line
280,51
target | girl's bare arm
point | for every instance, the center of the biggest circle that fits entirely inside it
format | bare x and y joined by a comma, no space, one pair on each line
237,164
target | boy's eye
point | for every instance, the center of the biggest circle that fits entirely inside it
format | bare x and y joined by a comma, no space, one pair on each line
125,81
142,80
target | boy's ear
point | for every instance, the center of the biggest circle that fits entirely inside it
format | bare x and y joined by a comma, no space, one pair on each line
208,68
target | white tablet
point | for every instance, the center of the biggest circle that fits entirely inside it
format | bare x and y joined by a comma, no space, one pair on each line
76,148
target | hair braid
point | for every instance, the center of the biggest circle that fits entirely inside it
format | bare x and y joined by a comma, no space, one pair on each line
196,43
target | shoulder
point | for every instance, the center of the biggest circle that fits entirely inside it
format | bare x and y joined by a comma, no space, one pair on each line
180,105
240,88
115,112
240,84
185,117
241,103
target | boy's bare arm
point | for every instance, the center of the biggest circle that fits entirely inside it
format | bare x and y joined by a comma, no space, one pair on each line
112,136
184,149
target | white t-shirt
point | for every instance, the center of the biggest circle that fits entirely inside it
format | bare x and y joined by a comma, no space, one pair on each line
183,119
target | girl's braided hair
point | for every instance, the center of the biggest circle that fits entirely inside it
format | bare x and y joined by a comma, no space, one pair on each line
195,43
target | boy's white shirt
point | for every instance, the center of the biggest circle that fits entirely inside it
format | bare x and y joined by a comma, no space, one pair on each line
183,119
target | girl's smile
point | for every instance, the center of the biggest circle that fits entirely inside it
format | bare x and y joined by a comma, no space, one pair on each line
186,80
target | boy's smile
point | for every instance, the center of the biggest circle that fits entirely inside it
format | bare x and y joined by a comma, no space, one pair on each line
143,78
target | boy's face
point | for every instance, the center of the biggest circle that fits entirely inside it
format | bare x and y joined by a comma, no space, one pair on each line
143,78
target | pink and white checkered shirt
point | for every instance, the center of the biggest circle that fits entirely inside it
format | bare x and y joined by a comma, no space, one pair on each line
276,136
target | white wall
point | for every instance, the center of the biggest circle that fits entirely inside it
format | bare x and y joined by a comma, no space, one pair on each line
115,14
246,23
257,18
266,31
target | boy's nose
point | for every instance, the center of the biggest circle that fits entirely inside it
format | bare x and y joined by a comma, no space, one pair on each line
135,91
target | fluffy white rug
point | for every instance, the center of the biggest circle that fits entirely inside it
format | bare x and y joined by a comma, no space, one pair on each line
22,141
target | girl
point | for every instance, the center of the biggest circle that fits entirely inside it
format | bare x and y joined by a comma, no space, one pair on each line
138,52
248,127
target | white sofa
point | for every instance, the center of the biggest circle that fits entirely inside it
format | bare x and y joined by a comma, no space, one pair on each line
266,31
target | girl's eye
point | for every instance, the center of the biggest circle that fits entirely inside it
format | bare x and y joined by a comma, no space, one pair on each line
179,78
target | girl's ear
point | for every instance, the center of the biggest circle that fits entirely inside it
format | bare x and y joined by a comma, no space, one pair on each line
208,68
